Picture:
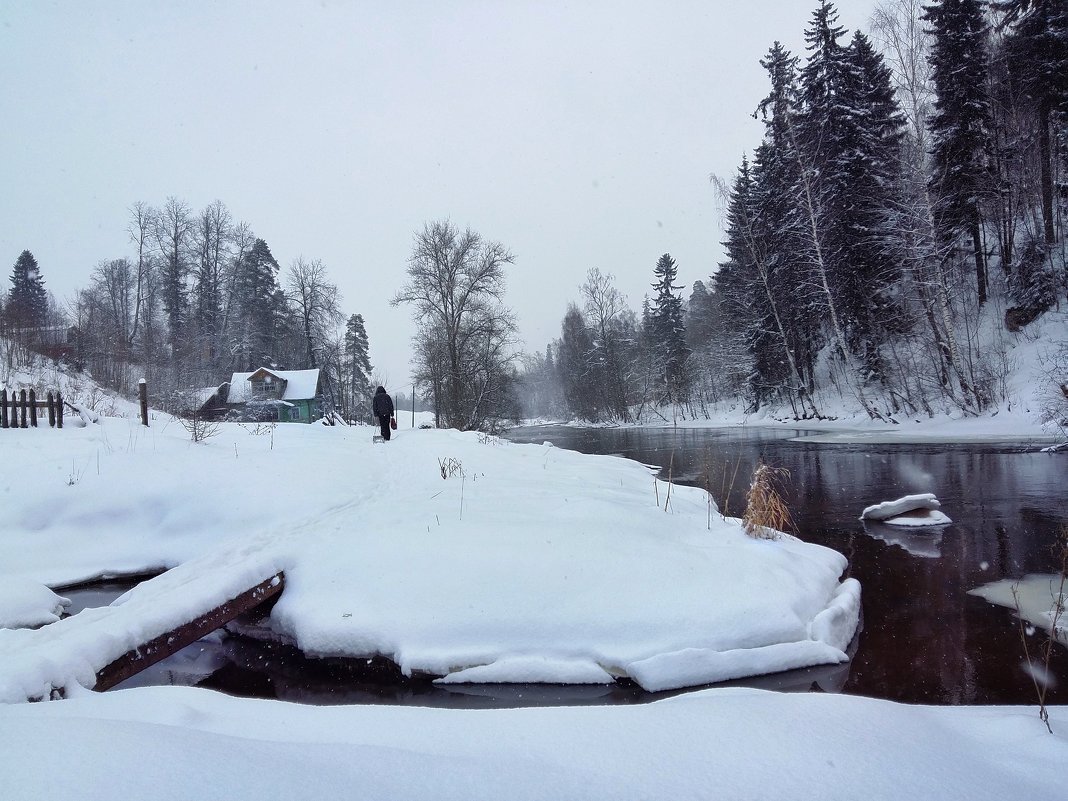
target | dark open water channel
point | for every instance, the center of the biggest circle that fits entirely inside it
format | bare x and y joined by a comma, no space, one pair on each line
924,639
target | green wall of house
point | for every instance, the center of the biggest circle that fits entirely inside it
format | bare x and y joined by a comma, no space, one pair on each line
309,412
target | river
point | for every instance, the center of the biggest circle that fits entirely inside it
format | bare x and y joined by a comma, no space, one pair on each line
924,638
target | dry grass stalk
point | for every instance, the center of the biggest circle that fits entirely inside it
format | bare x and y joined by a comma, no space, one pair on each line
766,513
671,470
450,467
1039,666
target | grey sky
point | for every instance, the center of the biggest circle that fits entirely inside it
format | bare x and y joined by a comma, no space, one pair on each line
577,134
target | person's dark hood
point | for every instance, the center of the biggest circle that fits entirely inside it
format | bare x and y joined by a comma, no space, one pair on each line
380,391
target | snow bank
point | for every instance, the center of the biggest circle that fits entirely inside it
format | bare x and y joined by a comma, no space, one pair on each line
189,743
527,563
25,603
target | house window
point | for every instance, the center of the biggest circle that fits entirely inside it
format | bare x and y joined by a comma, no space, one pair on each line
264,387
294,413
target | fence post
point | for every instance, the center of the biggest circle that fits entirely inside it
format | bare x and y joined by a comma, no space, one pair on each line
142,391
23,423
51,410
59,410
3,407
33,408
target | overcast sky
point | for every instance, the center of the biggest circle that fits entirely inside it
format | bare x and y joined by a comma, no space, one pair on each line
577,134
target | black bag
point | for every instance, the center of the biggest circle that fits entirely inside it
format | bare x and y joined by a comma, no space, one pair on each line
393,423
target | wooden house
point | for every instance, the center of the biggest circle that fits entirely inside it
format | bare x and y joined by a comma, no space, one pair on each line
284,396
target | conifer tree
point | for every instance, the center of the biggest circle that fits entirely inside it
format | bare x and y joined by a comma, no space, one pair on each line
669,331
261,309
960,125
357,365
27,304
788,323
1036,51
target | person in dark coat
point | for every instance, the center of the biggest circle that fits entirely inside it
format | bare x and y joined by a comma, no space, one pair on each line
382,407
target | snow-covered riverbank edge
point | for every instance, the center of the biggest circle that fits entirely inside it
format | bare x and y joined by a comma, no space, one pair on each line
727,744
1015,427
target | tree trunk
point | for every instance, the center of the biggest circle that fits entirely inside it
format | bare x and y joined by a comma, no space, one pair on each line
1045,158
980,261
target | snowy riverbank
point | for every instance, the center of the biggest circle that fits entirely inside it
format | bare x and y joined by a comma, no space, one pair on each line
524,563
1019,425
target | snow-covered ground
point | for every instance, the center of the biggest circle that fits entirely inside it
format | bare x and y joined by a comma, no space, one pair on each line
181,743
527,563
524,563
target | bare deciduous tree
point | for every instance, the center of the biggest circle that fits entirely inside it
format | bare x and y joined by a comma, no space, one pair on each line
315,300
456,286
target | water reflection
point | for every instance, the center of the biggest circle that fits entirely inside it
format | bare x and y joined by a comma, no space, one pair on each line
925,639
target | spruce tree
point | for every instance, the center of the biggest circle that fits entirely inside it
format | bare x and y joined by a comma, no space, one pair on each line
960,125
669,331
357,364
866,272
261,308
848,128
1036,52
787,334
27,305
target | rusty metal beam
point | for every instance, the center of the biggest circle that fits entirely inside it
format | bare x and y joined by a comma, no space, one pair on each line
148,654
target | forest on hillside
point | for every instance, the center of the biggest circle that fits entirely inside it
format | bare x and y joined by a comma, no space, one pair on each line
903,217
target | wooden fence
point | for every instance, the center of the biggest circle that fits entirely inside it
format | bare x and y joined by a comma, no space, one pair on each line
22,409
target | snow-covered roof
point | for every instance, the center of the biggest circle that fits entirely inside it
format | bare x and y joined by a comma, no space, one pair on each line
201,395
299,384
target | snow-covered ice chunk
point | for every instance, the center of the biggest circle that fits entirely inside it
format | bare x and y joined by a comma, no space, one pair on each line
1037,597
912,510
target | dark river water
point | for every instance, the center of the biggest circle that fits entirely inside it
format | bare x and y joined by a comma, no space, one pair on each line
924,639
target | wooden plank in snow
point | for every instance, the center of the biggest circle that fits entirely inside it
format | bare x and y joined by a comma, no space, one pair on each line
148,654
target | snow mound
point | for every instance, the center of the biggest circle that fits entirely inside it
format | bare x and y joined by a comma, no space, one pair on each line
912,510
25,604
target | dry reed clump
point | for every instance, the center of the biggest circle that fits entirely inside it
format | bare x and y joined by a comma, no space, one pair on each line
766,513
450,467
